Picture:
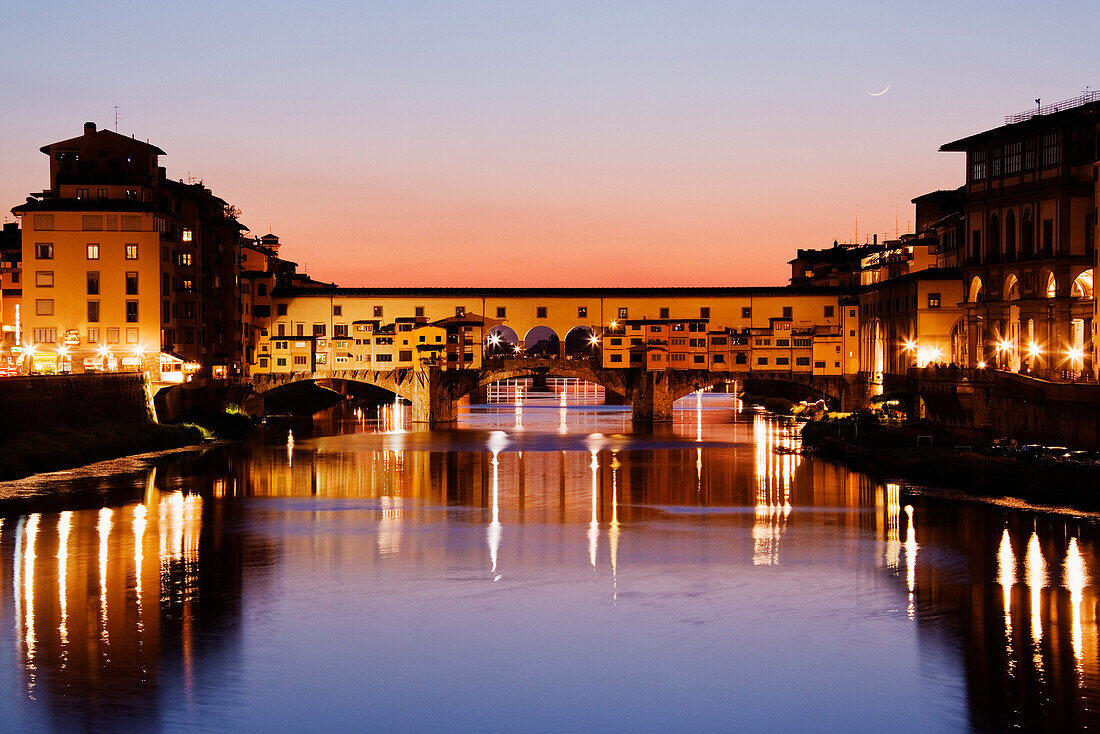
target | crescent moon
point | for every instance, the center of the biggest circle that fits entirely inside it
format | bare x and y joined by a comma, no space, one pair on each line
879,94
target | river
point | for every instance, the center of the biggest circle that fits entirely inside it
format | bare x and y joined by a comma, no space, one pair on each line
542,566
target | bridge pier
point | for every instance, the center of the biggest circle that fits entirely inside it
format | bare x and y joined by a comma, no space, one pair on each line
651,401
610,397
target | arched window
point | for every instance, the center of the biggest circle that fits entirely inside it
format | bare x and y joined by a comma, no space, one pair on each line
976,291
1010,236
1027,234
1050,288
1082,286
261,289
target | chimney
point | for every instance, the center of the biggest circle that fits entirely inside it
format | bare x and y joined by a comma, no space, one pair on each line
89,128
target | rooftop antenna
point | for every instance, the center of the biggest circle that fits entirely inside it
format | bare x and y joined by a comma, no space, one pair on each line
896,233
1038,105
855,236
116,118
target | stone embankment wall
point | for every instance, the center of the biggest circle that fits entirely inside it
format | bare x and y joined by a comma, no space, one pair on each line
981,404
39,404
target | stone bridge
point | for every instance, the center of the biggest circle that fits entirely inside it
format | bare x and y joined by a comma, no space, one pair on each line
434,392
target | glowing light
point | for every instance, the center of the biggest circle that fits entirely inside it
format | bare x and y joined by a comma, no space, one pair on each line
910,345
104,350
911,548
593,340
1033,349
981,365
1076,577
104,529
62,351
64,523
494,532
614,324
494,339
594,525
1075,354
1004,345
139,536
518,349
31,530
1035,570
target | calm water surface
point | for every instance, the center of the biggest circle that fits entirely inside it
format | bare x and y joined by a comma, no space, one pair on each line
541,567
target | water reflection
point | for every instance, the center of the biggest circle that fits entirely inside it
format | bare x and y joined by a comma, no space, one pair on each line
124,609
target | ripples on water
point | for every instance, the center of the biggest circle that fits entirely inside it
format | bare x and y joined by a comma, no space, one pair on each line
541,566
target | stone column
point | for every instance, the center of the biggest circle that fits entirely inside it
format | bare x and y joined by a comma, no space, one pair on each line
432,402
651,401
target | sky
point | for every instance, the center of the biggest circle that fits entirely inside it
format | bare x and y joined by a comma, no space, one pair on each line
532,143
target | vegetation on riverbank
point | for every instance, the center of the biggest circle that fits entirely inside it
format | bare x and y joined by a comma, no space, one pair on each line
66,448
771,403
70,447
913,452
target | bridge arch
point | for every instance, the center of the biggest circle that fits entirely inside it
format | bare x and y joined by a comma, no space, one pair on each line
501,341
541,341
581,341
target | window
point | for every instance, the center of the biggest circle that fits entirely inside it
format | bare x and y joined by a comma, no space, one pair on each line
746,312
187,285
803,341
131,252
933,300
1049,153
280,309
340,331
280,362
383,358
131,312
93,312
45,336
318,329
93,251
622,313
263,362
851,313
43,251
185,259
615,358
460,311
44,307
741,358
1048,237
43,222
377,312
819,365
782,342
82,193
704,312
699,359
131,284
788,312
93,335
616,342
112,335
1013,157
782,361
996,162
91,222
719,359
131,194
337,310
761,360
540,312
101,193
404,355
185,235
977,165
44,279
131,223
299,359
802,361
582,312
830,311
501,312
663,313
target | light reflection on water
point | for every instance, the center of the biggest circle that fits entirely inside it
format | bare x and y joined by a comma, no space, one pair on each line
696,575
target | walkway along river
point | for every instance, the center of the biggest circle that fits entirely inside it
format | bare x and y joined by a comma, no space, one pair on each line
540,566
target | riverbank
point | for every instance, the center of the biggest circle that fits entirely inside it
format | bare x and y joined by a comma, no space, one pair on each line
916,455
66,448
